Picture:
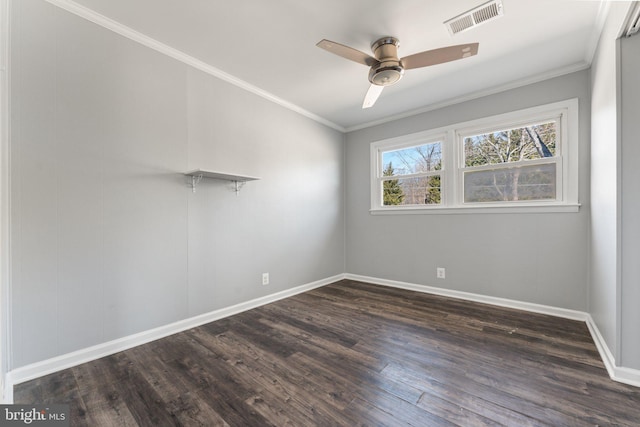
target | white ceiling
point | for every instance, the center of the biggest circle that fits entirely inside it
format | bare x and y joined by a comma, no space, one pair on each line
271,45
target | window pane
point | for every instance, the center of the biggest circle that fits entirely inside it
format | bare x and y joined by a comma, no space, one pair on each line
422,158
511,145
536,182
411,191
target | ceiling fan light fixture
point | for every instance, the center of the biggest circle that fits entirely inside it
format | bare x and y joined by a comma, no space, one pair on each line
386,74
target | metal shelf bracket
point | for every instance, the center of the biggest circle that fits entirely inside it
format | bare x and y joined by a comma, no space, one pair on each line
195,180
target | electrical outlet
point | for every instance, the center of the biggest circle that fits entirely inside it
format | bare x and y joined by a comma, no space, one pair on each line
440,272
265,278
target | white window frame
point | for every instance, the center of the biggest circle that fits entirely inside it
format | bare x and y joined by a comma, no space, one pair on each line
452,173
413,140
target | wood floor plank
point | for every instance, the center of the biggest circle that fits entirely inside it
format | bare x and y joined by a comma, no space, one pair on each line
231,408
458,384
316,345
270,398
140,397
192,411
453,412
352,354
469,403
105,407
296,391
44,389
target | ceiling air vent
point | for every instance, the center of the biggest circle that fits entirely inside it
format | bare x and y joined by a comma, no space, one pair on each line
474,17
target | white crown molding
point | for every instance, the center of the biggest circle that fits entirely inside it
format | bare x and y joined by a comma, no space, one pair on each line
45,367
475,95
118,28
599,24
105,22
123,30
633,18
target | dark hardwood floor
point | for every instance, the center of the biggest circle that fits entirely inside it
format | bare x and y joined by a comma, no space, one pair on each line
352,354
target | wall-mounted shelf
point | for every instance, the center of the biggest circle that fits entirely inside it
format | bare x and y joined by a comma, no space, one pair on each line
238,180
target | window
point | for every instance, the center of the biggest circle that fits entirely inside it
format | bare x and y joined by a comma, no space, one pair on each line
508,165
525,160
411,175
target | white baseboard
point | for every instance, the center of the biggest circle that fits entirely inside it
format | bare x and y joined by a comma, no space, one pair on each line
626,375
45,367
616,373
502,302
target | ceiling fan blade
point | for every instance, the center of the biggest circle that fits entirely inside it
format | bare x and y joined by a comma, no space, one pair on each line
347,52
372,96
439,56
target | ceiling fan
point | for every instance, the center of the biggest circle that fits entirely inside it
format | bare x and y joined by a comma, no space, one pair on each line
387,69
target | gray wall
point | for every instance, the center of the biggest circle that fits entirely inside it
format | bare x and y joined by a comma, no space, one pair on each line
630,206
538,258
614,286
604,182
107,237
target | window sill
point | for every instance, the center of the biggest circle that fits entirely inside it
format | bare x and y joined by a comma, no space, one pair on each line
521,209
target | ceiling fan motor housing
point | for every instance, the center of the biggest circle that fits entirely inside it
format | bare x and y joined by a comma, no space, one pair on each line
388,71
385,66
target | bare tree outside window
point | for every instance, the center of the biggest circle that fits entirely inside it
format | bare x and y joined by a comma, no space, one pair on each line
514,177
